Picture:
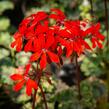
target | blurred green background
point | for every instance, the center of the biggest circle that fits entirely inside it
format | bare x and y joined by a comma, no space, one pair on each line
94,66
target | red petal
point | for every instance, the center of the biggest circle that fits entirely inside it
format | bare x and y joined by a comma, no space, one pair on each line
19,44
29,33
38,17
100,36
35,56
19,85
29,85
27,68
41,28
53,16
63,41
57,11
22,28
36,46
88,31
69,51
41,41
64,33
86,44
28,46
97,26
49,42
93,42
78,47
17,35
99,44
13,44
53,57
16,77
58,16
43,61
60,51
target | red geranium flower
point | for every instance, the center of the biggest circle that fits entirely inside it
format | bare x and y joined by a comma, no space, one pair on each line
72,37
18,41
30,84
57,14
43,51
96,36
47,41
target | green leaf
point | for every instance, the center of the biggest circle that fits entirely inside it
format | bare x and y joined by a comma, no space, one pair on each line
4,24
5,39
4,53
5,5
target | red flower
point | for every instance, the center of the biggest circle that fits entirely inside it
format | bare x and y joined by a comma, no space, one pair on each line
18,41
30,84
96,36
31,35
47,41
58,15
43,51
72,37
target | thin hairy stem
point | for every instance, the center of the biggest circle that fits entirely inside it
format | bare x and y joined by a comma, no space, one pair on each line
43,95
35,91
34,99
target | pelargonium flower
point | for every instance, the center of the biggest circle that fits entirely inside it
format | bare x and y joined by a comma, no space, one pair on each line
72,37
96,36
37,35
22,79
42,49
49,41
57,14
18,43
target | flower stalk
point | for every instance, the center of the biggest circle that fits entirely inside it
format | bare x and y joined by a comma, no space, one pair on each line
91,3
34,99
106,19
78,76
43,95
107,27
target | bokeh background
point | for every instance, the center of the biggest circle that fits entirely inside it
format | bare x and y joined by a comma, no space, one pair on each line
62,94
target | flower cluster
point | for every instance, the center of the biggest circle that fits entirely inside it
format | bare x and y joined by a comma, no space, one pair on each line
50,35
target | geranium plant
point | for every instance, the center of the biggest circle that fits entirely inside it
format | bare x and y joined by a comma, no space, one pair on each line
49,36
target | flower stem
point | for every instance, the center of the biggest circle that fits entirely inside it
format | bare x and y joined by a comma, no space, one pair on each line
106,19
34,99
106,23
35,91
91,3
43,95
78,76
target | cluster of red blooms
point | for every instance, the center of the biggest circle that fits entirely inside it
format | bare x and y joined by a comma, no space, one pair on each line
48,40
